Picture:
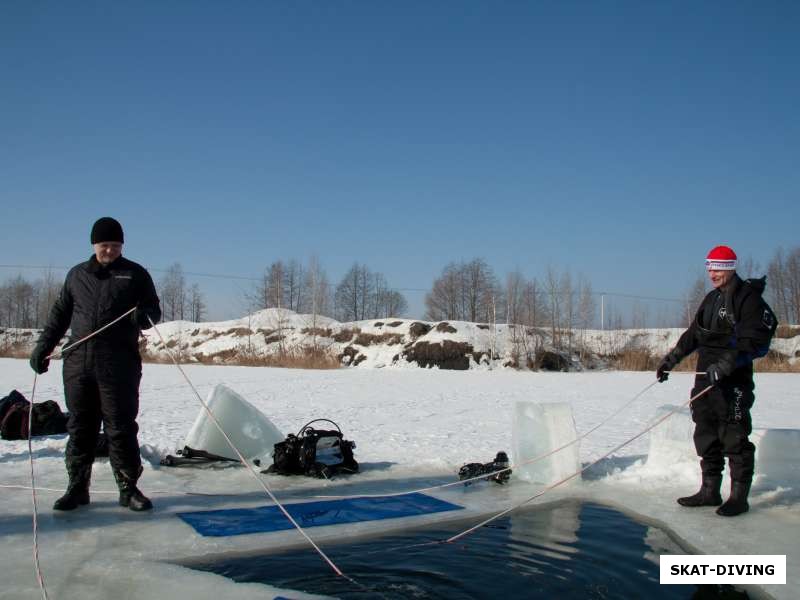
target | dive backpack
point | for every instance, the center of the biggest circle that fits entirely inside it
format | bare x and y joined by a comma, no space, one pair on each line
762,332
314,452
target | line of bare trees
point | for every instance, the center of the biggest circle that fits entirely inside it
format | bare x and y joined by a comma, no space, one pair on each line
464,291
26,304
470,291
361,293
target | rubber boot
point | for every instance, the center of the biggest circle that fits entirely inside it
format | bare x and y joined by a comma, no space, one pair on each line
737,503
129,494
77,489
708,495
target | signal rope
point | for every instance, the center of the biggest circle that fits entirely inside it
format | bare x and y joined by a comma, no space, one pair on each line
34,502
510,468
37,565
580,471
418,490
546,489
39,575
252,471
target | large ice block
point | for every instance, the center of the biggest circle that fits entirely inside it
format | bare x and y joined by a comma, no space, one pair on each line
777,452
671,440
249,429
536,430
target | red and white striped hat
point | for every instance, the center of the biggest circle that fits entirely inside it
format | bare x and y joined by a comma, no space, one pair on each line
721,258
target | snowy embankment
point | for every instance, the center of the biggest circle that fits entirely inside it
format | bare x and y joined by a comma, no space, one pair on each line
400,343
408,424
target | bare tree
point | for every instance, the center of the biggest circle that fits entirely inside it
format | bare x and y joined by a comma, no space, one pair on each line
552,288
534,304
694,296
783,289
515,288
293,285
48,289
464,292
197,305
317,299
442,302
394,304
352,295
172,292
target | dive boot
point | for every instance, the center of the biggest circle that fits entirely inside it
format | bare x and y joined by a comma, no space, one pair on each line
737,503
707,496
129,495
77,493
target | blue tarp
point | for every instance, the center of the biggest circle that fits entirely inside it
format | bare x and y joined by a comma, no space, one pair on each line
237,521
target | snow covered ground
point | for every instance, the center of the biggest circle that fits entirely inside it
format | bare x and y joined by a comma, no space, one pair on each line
408,424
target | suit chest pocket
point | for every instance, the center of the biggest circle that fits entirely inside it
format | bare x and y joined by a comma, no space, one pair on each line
123,291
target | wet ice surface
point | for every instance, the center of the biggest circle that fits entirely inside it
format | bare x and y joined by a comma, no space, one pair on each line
421,424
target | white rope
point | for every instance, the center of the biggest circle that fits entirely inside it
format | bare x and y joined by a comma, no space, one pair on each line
576,473
37,566
91,335
510,468
250,468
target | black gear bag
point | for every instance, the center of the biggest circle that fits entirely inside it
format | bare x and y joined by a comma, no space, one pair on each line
314,452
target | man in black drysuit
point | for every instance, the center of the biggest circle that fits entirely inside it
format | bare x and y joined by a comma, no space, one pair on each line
732,327
102,374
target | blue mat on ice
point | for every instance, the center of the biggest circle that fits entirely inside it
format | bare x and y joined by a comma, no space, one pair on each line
237,521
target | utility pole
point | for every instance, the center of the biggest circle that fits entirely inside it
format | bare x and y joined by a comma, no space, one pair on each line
602,311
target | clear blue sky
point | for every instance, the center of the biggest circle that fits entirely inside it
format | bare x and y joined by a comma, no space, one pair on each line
618,140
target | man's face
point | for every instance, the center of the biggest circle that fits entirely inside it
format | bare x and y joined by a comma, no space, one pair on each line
720,278
107,252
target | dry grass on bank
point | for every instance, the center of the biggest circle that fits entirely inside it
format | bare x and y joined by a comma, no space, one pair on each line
642,360
305,357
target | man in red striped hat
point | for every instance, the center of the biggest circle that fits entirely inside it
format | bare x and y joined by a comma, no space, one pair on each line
732,327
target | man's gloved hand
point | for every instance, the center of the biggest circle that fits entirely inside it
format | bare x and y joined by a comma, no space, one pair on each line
669,362
39,360
715,373
140,319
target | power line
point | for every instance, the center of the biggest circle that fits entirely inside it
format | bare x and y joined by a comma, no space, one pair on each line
399,289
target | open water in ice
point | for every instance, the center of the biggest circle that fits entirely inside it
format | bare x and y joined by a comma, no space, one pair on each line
571,550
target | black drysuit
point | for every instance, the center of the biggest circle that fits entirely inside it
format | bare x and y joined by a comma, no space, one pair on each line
730,329
102,374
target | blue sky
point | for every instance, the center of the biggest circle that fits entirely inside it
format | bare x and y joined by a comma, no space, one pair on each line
619,141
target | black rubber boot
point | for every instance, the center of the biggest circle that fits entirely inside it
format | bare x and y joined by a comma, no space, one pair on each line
737,503
707,496
129,494
77,489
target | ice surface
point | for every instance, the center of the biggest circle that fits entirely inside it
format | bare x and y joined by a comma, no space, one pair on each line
249,429
420,424
538,429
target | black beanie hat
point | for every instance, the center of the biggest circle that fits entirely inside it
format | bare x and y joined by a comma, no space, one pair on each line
107,229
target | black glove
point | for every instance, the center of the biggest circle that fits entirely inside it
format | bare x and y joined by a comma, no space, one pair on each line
715,373
669,362
141,319
39,360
